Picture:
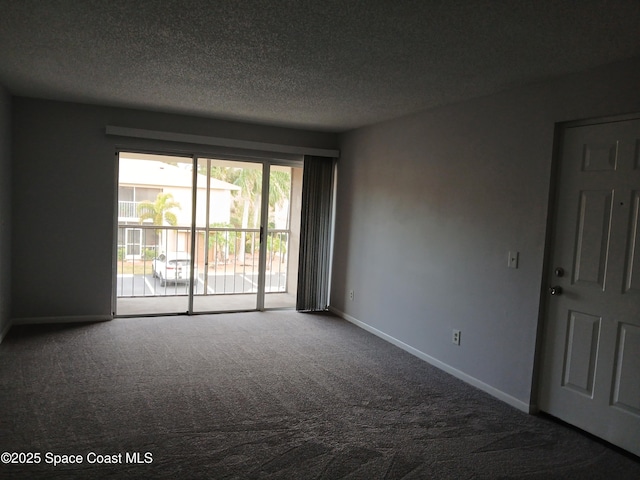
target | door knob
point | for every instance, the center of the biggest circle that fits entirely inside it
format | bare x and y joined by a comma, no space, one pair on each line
555,290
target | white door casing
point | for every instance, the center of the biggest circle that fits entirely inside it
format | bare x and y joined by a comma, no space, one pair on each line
591,354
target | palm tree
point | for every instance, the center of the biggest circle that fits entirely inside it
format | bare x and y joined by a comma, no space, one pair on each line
159,211
250,181
279,193
247,200
279,187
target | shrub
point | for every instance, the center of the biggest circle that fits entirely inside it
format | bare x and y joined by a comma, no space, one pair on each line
149,254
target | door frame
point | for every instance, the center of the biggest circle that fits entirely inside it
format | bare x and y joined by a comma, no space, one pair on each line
550,233
132,230
266,159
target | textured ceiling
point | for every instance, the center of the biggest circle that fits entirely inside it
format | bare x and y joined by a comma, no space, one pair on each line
324,64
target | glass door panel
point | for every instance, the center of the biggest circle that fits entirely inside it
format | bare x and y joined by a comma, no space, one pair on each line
133,246
227,235
153,234
184,248
282,236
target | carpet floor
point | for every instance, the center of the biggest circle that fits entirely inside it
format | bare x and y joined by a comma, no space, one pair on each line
263,396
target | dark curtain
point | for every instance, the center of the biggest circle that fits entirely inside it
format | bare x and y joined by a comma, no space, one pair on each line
315,235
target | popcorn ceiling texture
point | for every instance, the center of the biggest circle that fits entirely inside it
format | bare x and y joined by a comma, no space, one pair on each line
329,65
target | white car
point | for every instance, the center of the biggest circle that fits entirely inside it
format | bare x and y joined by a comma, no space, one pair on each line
173,267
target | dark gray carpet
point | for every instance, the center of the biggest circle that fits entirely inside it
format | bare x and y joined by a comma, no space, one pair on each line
265,395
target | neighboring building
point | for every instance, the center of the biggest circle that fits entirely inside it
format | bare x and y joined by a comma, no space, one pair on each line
142,181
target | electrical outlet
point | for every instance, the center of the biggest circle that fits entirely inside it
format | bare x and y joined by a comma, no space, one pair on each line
456,337
350,294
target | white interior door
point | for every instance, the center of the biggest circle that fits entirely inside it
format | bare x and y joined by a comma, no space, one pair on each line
591,359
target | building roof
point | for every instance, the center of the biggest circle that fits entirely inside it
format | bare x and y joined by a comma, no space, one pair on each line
160,174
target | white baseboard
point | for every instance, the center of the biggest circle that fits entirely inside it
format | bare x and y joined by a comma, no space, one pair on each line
57,320
5,330
499,394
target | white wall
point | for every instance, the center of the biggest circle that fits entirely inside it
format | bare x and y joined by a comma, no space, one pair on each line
5,211
219,205
428,206
64,182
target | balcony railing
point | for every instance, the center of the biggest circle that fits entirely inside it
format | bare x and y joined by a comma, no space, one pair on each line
225,263
128,209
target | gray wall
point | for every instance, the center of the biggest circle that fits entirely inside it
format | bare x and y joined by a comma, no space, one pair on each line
428,207
64,182
5,210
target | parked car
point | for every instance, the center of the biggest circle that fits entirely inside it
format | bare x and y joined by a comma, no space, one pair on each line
172,267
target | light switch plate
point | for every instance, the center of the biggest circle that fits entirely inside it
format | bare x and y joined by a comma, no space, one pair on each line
513,259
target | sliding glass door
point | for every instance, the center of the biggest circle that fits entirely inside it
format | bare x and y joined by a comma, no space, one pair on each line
153,234
198,235
283,236
227,235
